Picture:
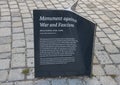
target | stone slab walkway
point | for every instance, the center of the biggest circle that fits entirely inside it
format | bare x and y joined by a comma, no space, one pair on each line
17,50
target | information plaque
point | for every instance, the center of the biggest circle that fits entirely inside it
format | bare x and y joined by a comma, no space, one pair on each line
63,43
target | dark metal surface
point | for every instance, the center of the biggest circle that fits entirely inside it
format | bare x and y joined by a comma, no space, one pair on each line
83,32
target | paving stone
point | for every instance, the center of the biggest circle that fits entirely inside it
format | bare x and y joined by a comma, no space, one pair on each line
116,20
28,25
111,70
24,11
111,9
26,15
110,22
5,40
103,57
24,7
29,37
58,6
50,7
95,60
115,27
118,79
105,41
98,70
28,31
98,47
82,5
3,75
113,36
13,6
90,12
101,34
32,5
103,25
59,82
80,10
3,5
18,36
14,10
18,43
30,45
30,2
3,2
48,3
24,83
15,14
41,6
27,20
18,19
104,17
5,13
18,60
111,48
117,43
118,24
17,30
5,20
87,8
15,74
22,4
5,55
4,63
9,83
31,74
5,32
92,81
107,80
116,12
95,17
98,20
42,82
12,2
18,50
5,48
98,29
110,14
118,33
115,58
96,40
30,52
84,14
75,81
30,62
99,12
102,7
65,5
17,24
108,31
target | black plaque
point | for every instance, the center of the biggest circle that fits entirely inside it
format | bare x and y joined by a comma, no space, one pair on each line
63,43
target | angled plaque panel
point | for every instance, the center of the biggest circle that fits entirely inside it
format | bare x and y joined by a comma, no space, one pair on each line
63,43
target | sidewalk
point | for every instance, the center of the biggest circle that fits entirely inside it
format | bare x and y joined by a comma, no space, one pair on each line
17,50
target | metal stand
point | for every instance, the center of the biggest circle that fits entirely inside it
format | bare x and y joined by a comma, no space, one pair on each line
73,7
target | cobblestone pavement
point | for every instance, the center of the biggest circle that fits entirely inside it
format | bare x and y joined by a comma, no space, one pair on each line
17,50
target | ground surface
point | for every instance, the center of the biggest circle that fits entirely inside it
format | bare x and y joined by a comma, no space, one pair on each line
17,50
